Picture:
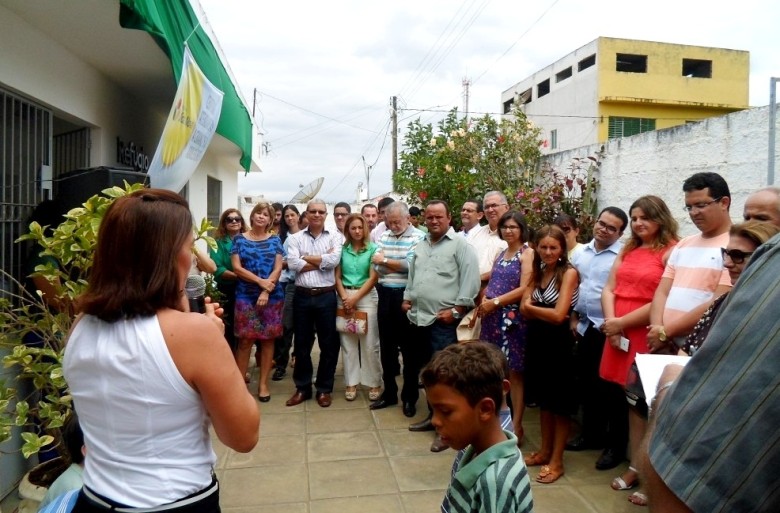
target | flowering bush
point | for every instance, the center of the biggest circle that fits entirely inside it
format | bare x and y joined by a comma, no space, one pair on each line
463,160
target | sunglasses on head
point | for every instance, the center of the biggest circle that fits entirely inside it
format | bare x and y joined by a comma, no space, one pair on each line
230,219
737,256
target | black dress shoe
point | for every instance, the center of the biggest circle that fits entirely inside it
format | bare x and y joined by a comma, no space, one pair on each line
382,403
279,374
609,459
409,409
425,425
580,444
439,445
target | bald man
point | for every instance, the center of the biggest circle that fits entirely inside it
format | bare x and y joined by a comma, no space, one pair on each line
763,205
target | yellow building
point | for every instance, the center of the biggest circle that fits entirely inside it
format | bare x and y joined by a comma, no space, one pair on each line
613,88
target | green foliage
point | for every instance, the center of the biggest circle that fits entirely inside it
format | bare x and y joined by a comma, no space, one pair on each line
42,411
463,160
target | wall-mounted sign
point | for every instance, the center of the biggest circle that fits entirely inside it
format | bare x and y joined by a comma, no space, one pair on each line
131,155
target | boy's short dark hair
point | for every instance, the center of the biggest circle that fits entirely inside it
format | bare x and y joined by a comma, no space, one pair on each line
476,370
73,438
414,211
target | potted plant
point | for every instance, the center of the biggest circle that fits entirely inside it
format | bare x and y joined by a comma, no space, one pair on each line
36,398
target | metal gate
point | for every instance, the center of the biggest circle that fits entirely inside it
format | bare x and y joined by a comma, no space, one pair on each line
25,158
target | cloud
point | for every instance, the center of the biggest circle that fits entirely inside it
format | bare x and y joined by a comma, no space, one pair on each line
325,72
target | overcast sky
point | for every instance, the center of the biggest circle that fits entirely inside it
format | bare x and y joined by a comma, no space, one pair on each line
324,72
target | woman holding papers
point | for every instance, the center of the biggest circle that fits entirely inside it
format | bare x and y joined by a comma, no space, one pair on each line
626,302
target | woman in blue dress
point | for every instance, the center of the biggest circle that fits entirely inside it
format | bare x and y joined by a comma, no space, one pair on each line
502,323
257,260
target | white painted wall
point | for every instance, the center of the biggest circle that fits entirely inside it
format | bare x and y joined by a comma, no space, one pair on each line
734,146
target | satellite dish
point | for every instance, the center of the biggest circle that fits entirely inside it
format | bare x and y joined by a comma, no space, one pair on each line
308,192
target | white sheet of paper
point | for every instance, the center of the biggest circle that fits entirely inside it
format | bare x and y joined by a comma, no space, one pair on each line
650,368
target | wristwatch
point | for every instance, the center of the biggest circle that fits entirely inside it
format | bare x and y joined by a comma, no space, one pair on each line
662,334
455,313
496,301
384,261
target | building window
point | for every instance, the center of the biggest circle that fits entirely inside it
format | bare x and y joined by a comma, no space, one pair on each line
631,63
524,97
563,75
587,62
553,139
543,88
625,127
696,68
213,200
508,106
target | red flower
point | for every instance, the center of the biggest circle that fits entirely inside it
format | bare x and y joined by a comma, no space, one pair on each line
501,139
422,195
421,171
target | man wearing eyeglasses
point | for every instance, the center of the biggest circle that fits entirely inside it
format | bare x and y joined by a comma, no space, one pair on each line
313,253
486,240
604,407
470,216
694,274
340,213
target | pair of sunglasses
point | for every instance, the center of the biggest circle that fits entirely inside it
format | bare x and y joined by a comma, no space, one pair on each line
232,219
737,256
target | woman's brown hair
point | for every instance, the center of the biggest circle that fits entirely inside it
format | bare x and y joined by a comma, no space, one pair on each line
135,269
221,231
657,211
553,231
366,231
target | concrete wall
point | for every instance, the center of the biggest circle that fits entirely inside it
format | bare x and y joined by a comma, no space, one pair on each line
734,146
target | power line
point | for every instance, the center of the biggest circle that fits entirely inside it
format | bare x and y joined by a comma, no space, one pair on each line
518,39
315,113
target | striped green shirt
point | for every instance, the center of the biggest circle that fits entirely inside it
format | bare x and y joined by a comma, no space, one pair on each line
495,481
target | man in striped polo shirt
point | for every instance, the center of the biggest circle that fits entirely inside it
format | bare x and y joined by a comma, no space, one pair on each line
396,247
694,276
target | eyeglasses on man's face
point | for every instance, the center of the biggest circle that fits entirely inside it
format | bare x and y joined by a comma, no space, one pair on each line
736,255
701,206
317,212
340,214
493,206
601,224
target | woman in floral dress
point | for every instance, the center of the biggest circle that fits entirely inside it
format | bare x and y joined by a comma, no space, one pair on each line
502,323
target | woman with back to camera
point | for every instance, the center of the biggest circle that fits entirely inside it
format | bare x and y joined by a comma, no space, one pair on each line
146,376
231,223
549,366
355,280
502,323
625,300
289,226
257,260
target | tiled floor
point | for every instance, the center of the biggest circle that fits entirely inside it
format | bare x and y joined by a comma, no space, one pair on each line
349,459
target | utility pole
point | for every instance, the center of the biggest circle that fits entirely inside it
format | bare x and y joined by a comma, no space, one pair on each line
394,117
466,83
367,170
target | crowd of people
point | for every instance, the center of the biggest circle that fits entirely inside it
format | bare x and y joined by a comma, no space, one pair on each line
542,318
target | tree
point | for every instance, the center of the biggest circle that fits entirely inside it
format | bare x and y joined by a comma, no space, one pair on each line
463,160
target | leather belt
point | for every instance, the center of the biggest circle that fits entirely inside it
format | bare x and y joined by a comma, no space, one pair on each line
314,291
351,288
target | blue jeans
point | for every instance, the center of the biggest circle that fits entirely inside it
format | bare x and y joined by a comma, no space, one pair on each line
427,340
315,314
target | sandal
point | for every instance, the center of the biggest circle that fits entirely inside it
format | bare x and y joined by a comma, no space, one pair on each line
621,484
547,475
350,393
536,459
375,393
638,499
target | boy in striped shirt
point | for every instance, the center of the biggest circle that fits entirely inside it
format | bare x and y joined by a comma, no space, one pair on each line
465,385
